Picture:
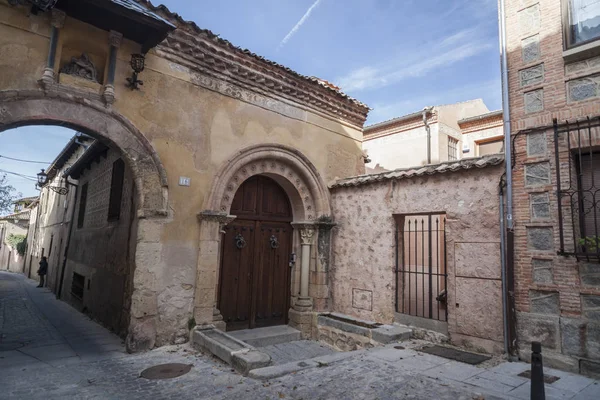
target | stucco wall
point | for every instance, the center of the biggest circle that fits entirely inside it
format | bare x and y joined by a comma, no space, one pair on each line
364,249
403,149
193,131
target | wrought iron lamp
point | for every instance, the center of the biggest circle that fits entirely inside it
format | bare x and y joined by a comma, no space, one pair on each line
137,64
43,179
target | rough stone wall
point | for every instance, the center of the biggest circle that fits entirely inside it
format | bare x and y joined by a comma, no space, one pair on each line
363,262
556,296
100,249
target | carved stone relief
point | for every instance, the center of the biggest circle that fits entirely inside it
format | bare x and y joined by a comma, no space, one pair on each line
81,67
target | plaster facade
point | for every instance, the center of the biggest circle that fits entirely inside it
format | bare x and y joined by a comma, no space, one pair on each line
203,103
402,142
366,210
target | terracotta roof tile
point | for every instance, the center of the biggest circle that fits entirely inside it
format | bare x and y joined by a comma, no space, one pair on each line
453,166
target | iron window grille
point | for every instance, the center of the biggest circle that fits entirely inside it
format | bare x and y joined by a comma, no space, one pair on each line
452,149
577,163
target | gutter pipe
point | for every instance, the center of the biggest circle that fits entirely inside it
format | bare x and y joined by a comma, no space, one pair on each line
426,111
507,230
503,264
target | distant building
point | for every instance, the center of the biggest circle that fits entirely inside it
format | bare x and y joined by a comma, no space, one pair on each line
433,135
13,230
51,216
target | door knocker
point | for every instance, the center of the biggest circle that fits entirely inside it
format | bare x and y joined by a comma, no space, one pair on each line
274,242
239,240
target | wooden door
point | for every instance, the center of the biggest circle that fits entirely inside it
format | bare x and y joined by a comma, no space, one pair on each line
254,287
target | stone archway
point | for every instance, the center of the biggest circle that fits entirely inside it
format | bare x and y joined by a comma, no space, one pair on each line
309,200
20,108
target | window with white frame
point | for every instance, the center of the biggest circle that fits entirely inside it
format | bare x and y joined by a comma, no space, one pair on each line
583,21
452,149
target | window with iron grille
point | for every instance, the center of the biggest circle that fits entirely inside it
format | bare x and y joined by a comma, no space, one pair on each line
82,205
77,285
116,190
452,149
577,156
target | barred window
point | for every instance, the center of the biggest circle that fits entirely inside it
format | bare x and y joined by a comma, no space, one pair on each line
577,148
82,205
452,149
116,190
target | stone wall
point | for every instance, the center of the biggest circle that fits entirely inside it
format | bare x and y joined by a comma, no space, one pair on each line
101,250
363,265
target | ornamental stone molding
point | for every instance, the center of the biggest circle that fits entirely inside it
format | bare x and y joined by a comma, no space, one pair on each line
307,232
212,59
301,181
26,107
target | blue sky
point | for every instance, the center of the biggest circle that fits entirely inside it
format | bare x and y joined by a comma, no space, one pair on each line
397,56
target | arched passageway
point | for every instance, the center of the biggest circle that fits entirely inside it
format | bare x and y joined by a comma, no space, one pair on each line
109,233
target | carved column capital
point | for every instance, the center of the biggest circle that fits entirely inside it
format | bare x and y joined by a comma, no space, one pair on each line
307,232
115,38
58,18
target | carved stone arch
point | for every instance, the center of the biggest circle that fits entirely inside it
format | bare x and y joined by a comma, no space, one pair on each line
287,166
20,108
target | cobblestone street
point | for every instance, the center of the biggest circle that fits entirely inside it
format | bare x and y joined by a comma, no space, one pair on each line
48,350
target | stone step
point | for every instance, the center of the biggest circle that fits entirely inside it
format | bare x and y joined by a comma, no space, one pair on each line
241,356
262,337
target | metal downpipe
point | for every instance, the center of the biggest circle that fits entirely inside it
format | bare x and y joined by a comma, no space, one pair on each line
507,233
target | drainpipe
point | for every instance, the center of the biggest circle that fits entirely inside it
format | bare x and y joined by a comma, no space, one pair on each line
426,111
508,230
503,264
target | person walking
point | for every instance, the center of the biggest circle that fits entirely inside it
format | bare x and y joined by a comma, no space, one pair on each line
43,271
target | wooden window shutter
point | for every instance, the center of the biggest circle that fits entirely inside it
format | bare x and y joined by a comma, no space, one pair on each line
116,190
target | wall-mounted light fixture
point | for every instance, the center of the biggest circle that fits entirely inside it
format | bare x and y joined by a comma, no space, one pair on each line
137,63
42,178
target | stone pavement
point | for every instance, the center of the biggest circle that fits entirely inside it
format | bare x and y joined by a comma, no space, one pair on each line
51,351
295,351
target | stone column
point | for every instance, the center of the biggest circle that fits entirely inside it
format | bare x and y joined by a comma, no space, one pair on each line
57,21
301,313
114,40
207,275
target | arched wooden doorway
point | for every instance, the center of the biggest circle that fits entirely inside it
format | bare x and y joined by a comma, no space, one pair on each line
254,289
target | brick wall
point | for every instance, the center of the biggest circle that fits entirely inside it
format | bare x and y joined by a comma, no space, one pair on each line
556,295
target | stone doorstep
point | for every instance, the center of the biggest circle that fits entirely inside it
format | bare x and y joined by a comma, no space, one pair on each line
277,371
263,337
241,356
382,334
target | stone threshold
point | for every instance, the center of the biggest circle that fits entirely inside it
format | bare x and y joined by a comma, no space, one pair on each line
241,356
373,331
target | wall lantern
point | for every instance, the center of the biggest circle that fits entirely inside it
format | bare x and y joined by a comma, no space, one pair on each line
42,178
137,65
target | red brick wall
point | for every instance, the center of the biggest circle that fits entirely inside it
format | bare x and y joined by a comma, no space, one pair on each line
556,329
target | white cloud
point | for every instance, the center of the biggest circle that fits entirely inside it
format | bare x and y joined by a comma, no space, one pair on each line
299,24
454,48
